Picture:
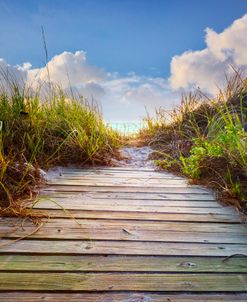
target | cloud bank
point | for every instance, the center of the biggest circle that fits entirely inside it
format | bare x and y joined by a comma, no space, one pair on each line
207,68
125,97
120,97
17,73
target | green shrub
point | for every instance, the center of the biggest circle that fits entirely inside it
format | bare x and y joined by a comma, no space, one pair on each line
206,139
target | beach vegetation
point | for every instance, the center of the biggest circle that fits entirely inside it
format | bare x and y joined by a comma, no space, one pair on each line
41,130
205,138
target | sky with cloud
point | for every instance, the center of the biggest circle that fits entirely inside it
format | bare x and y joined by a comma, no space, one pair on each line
125,92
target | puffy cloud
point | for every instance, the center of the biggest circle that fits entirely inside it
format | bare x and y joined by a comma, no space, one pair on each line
125,97
206,68
119,97
92,91
129,97
68,69
198,69
140,89
231,42
10,74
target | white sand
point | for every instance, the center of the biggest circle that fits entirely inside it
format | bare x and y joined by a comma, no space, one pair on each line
136,157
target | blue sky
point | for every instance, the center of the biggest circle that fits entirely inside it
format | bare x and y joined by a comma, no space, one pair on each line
126,54
118,35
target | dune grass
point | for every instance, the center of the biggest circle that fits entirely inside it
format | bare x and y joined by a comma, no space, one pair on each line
206,140
38,133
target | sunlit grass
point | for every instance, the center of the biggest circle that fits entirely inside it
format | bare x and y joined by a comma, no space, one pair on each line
206,139
42,131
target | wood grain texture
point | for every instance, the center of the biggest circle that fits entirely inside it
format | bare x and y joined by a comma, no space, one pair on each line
145,216
106,247
139,202
131,225
123,282
124,234
120,182
136,236
133,196
145,189
70,205
117,297
112,263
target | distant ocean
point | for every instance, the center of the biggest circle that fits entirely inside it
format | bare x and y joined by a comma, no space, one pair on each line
126,127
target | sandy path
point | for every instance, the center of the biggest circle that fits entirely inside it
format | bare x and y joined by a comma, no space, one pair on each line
136,157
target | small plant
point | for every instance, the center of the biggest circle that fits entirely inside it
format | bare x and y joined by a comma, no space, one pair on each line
191,164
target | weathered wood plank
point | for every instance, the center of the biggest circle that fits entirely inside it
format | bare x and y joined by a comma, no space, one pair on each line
122,264
97,170
120,248
123,282
151,203
134,196
140,202
150,216
158,233
118,174
124,177
135,227
129,234
120,169
71,188
69,205
120,183
117,297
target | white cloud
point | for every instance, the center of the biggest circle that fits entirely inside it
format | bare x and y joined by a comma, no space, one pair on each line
10,74
92,90
120,97
206,68
231,42
125,97
129,97
68,69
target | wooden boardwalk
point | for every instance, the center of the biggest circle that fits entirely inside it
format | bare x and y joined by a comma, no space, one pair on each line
136,236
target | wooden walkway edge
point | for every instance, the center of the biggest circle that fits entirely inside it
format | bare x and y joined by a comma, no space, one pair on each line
121,234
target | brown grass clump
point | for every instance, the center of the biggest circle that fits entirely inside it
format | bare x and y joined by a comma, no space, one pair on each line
206,139
18,182
43,132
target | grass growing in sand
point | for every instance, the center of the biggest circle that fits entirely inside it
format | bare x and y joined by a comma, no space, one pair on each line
42,132
206,139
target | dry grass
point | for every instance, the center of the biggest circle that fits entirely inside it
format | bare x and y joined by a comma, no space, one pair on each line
206,139
43,132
